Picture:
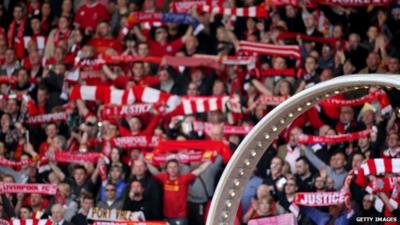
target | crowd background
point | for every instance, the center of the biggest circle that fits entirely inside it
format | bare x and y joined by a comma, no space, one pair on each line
42,41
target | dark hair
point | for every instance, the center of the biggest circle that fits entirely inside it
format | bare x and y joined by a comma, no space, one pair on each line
172,161
304,159
87,195
79,167
28,207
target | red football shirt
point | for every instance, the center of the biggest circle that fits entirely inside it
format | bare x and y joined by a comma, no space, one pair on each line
103,44
175,194
89,16
171,48
122,80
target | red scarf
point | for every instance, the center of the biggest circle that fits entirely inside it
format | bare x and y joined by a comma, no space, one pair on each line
18,36
58,35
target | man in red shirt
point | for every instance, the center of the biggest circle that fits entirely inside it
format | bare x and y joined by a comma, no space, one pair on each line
136,77
176,186
160,46
16,31
104,39
90,14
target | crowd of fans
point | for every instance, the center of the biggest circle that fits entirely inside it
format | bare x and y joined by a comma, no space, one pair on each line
42,40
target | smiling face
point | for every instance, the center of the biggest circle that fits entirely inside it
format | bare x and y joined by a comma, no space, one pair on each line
172,169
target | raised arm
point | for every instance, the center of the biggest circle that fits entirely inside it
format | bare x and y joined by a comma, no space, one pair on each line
152,169
387,202
201,168
188,33
260,87
318,163
107,71
139,34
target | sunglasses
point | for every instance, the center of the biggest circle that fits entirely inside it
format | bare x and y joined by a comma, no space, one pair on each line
110,190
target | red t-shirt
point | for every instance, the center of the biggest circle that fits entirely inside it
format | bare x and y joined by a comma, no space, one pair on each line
103,44
175,194
171,48
89,16
43,148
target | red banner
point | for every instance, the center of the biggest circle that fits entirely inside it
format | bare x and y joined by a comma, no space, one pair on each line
46,189
320,198
114,111
47,118
137,142
308,139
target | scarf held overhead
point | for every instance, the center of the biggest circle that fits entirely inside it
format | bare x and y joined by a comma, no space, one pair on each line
309,139
46,189
320,198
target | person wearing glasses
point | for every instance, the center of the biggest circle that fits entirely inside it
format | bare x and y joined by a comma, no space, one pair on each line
111,202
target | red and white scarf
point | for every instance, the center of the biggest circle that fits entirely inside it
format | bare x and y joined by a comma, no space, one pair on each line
227,129
61,36
320,198
26,222
185,6
353,102
308,3
132,142
109,95
46,189
191,105
309,139
379,96
47,118
275,72
384,184
253,11
18,36
326,198
8,163
377,167
203,145
183,157
130,223
270,100
354,3
292,51
78,158
116,111
293,35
